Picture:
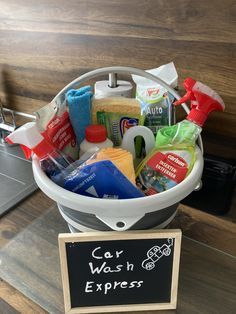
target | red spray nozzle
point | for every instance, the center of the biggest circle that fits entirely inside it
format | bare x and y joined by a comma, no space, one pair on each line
203,100
188,85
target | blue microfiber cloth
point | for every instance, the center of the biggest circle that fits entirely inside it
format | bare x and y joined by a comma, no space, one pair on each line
79,103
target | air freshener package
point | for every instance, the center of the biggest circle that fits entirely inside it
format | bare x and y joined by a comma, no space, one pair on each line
156,102
54,124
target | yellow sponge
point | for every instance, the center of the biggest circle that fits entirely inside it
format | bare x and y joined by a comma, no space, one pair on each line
121,158
115,104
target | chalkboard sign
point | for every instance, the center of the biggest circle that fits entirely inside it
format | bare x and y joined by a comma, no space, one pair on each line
120,271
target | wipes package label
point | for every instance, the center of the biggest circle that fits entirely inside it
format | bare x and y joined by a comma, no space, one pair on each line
171,165
156,102
59,132
163,170
101,179
55,126
156,106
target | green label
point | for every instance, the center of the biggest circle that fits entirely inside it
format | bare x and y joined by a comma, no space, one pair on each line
116,124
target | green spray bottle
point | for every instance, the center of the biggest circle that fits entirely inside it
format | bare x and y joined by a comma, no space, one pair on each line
174,154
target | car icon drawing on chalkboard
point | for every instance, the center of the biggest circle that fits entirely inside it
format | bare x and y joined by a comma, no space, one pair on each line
155,253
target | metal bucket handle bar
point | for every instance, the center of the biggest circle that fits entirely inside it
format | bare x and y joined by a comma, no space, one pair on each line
128,70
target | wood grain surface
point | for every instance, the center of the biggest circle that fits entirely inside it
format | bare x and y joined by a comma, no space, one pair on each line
23,215
208,229
30,263
35,223
14,302
46,44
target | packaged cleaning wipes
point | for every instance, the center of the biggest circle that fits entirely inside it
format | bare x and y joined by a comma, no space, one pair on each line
164,168
156,102
54,125
106,173
101,179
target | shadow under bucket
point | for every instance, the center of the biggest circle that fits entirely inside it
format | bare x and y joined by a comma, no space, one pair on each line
84,213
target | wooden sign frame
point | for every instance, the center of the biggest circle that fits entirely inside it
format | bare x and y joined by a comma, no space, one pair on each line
110,236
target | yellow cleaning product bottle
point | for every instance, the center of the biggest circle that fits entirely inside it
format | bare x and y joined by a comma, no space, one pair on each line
174,154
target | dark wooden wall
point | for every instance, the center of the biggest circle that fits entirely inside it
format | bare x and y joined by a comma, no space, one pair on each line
46,44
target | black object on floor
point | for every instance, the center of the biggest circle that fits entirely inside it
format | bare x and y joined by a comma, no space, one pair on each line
218,183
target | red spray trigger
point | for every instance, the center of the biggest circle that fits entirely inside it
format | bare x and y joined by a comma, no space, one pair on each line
203,100
27,151
188,85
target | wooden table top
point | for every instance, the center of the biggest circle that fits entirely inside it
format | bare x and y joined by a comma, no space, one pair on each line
30,264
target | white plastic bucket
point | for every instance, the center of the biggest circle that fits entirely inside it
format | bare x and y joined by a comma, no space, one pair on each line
86,213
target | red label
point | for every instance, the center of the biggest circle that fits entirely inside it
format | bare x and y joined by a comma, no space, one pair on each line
170,165
59,132
152,91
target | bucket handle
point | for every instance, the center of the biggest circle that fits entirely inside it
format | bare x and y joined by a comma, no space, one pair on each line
127,70
60,97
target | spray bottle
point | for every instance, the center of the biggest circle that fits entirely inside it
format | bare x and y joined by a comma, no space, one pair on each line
174,154
52,161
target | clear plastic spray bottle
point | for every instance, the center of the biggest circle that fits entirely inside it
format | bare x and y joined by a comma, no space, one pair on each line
174,154
52,161
203,100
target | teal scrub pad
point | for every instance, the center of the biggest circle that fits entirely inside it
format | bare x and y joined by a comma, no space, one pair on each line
79,103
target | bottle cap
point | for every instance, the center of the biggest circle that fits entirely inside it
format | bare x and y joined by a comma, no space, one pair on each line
95,133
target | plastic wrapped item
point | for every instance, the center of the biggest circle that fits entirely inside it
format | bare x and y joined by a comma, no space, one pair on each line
174,155
54,125
101,179
121,158
156,102
163,169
